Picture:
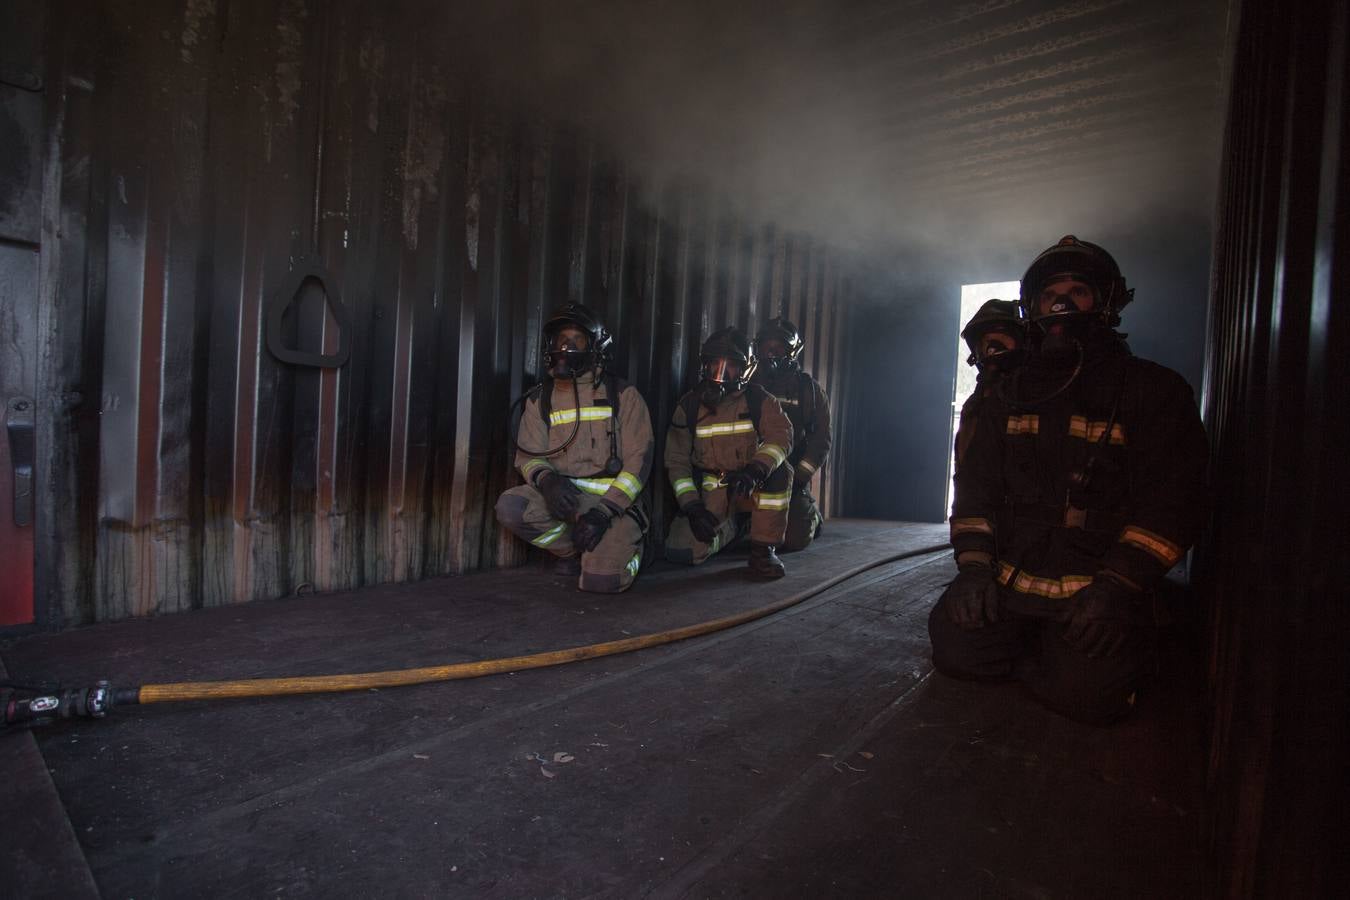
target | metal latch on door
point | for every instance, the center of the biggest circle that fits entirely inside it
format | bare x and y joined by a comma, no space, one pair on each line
19,428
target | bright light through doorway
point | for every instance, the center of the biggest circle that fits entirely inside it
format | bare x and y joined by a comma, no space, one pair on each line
972,297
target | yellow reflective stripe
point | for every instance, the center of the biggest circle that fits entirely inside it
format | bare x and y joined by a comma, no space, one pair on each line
634,564
971,525
1054,588
704,431
629,484
593,485
712,482
1155,545
532,465
550,536
1030,424
773,501
775,452
588,414
809,467
1080,427
684,486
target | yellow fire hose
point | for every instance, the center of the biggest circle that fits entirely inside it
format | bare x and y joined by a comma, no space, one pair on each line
95,702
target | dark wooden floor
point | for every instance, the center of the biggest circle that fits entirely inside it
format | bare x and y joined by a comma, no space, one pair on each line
809,754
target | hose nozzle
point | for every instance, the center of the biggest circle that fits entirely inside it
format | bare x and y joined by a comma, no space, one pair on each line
69,703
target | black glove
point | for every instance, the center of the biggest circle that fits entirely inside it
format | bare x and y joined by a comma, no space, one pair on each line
591,527
561,496
1103,617
801,477
743,481
971,600
702,522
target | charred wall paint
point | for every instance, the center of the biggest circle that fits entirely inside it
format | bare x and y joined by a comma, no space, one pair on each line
1273,561
203,158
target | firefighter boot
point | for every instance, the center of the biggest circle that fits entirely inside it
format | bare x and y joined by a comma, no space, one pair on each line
764,562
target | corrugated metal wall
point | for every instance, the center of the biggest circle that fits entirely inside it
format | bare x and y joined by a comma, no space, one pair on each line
1273,562
213,165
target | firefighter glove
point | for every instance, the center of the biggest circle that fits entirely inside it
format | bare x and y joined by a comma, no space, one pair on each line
702,522
801,476
561,496
1102,618
971,600
591,527
743,481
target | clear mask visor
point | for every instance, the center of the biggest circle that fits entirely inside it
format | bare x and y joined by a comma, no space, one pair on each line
722,370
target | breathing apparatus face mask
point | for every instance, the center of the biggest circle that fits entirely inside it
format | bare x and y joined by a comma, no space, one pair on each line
997,351
569,354
720,376
1066,313
773,355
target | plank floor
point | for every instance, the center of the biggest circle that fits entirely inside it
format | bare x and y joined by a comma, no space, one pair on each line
812,753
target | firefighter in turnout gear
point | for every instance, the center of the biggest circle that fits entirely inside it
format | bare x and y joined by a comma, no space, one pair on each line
726,455
585,449
996,336
1080,488
778,350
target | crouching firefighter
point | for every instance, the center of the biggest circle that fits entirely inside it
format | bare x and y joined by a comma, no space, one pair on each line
1081,487
584,448
726,455
778,350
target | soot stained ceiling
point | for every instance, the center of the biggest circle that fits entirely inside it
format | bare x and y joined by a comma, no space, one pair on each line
910,122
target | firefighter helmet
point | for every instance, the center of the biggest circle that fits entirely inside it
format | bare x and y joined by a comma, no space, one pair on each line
993,316
786,333
1072,259
727,359
563,360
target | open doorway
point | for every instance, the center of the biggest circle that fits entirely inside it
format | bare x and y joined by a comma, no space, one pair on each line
972,296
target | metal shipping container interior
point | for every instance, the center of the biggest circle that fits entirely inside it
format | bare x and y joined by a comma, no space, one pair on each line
272,274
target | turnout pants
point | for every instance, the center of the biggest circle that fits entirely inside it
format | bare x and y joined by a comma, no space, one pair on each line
1032,649
768,518
608,569
803,521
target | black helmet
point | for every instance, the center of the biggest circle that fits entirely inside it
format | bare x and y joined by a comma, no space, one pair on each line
1081,261
780,329
723,346
564,362
994,315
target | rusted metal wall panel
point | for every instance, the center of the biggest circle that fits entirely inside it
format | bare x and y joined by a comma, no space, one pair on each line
1272,562
204,159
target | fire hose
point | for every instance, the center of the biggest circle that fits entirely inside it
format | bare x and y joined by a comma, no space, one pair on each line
48,703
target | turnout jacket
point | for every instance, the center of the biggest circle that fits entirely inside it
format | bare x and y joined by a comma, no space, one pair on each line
808,408
723,440
986,383
585,458
1108,475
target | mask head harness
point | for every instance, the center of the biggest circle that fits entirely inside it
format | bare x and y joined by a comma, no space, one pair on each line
778,346
726,363
1072,260
574,342
1001,317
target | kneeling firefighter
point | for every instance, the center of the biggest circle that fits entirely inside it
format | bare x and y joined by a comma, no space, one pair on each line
778,350
996,336
726,454
584,448
1081,487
